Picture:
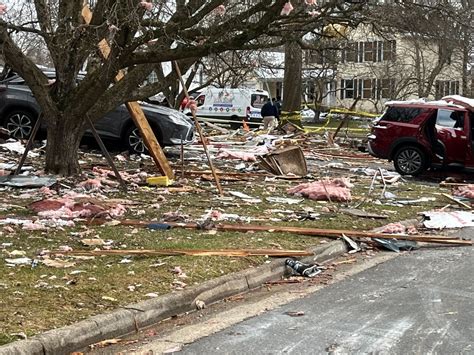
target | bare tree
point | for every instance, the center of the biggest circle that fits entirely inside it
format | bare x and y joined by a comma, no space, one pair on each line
141,34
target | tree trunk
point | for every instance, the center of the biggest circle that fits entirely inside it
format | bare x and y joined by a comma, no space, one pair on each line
292,82
63,139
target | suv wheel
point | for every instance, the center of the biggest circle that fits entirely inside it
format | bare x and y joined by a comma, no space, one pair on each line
409,160
134,140
20,124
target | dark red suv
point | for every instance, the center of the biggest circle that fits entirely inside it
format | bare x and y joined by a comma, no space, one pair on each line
417,135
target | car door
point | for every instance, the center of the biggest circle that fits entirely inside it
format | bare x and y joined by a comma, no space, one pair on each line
111,124
452,130
398,124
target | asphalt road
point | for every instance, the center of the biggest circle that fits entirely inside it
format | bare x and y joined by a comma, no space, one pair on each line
419,303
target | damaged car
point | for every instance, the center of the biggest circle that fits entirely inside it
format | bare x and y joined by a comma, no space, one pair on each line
417,135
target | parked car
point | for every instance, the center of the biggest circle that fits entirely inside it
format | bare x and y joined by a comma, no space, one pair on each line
19,111
417,135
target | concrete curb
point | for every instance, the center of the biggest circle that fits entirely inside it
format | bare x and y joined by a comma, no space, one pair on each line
139,315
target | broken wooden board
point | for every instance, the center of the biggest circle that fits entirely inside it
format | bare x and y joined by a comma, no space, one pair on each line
190,252
361,213
316,232
136,113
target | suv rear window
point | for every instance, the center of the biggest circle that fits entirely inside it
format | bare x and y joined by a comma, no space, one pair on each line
402,114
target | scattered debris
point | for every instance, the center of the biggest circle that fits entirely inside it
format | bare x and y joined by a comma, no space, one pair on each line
281,200
295,313
27,181
303,269
284,161
352,244
441,220
466,191
200,304
360,213
329,189
396,245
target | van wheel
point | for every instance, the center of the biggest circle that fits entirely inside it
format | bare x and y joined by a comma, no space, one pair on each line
20,124
409,160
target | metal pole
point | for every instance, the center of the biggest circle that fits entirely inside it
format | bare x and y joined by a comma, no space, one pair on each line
29,144
201,134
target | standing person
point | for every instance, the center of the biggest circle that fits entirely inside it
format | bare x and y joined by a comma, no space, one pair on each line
277,103
270,115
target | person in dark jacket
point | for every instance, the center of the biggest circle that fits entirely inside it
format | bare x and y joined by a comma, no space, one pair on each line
270,115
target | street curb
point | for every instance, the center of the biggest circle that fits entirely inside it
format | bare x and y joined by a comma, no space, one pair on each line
130,318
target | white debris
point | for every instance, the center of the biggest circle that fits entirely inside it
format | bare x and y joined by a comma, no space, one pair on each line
456,219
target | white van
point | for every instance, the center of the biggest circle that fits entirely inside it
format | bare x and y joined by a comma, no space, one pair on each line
230,106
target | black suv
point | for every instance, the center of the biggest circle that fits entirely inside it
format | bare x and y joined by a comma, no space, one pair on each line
19,111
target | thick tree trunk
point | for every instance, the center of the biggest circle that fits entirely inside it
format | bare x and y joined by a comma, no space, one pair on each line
292,82
62,145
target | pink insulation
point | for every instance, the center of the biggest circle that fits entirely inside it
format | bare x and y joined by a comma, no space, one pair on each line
398,228
68,207
464,191
91,184
329,189
224,153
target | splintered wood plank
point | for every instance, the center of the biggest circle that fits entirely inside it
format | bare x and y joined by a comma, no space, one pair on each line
191,252
136,112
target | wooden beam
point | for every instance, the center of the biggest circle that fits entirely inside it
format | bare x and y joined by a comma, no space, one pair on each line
190,252
136,112
316,232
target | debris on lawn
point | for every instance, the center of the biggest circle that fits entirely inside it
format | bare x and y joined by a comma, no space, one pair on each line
454,219
27,181
328,189
466,191
397,228
285,161
76,205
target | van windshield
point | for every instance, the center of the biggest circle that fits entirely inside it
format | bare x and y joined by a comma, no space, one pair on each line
258,100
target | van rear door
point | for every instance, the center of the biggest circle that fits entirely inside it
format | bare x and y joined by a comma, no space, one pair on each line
257,100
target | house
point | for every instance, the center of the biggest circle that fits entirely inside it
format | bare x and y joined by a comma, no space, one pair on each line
400,66
374,68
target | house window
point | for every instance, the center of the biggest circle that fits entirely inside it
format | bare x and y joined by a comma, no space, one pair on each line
377,51
368,89
446,87
347,88
386,88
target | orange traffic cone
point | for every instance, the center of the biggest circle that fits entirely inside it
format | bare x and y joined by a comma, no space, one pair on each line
246,126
